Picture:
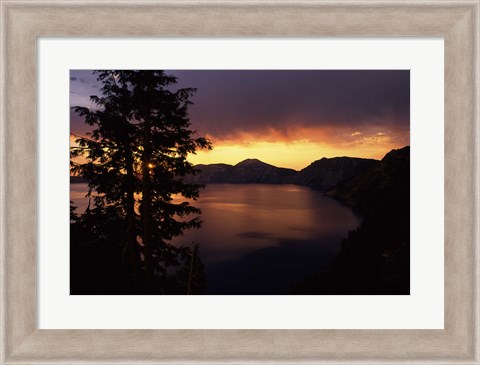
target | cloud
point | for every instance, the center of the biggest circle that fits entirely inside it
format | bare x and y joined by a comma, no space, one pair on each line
229,103
342,106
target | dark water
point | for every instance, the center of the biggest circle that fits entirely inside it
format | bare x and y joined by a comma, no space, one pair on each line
262,239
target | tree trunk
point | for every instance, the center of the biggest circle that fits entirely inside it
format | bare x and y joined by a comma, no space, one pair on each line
147,210
130,213
192,269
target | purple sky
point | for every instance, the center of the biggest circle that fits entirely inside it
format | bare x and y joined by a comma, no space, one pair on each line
361,113
228,102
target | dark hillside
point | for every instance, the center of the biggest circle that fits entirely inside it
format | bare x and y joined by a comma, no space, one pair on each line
325,173
322,174
375,257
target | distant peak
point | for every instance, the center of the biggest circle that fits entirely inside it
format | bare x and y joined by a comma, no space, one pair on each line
251,162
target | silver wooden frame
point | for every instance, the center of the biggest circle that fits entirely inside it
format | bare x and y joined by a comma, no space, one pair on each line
25,20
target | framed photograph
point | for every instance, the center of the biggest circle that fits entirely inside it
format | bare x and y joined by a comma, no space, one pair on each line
215,182
224,235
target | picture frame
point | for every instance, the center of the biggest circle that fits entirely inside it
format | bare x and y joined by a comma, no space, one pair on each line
24,21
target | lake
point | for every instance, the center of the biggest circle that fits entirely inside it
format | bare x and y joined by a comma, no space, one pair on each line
261,239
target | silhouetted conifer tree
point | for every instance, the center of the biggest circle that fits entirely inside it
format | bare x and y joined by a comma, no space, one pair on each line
136,158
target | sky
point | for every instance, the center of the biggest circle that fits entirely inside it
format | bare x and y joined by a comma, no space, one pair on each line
288,118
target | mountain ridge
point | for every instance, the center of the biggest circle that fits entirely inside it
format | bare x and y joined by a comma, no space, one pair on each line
249,171
321,174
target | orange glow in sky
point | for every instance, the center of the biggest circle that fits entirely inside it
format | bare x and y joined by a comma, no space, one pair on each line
303,148
287,118
297,150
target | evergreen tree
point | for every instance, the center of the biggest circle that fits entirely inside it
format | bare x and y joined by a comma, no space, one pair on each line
136,160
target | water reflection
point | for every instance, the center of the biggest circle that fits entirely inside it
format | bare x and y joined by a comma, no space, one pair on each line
261,239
